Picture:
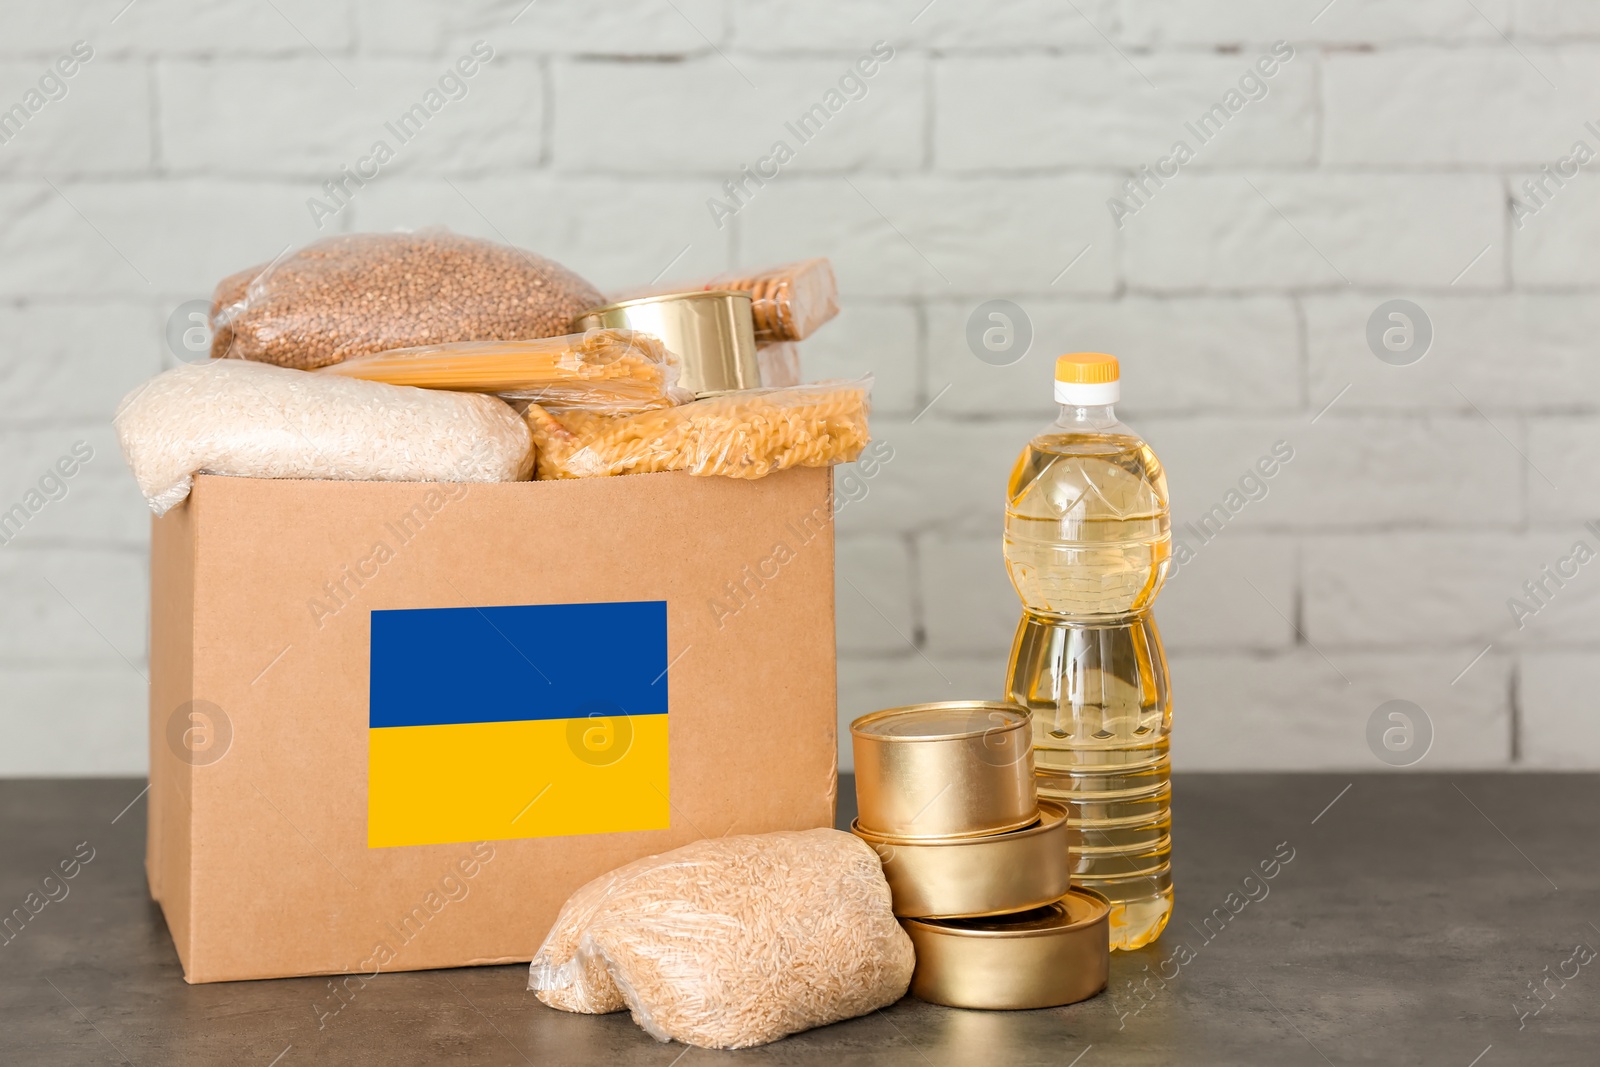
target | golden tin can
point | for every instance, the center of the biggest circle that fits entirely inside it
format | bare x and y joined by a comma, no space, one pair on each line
1058,954
710,331
930,772
976,876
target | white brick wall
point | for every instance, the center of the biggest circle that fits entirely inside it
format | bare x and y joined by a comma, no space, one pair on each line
977,166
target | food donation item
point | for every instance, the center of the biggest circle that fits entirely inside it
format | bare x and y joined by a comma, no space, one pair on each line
1057,954
259,421
731,942
739,435
709,332
601,370
788,302
973,876
344,296
986,897
1087,545
779,364
931,772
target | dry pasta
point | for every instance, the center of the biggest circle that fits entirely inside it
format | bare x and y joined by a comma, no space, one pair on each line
603,370
747,434
731,942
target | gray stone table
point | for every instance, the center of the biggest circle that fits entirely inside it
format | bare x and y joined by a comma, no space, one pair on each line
1416,919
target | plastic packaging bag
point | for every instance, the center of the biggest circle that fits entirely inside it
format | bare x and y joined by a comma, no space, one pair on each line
780,365
748,434
788,302
601,370
731,942
371,292
259,421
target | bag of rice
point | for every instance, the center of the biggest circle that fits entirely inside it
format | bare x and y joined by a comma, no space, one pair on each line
259,421
370,292
731,942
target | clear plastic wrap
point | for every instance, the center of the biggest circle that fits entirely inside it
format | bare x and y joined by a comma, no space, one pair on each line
371,292
748,434
788,302
731,942
600,370
780,365
260,421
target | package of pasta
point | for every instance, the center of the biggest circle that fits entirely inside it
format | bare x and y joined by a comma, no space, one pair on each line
779,364
747,434
732,941
255,420
788,302
601,370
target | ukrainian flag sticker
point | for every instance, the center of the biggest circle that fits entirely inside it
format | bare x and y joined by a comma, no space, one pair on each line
540,720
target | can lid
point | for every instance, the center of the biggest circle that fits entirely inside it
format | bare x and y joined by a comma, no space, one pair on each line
1051,815
663,298
946,721
1079,908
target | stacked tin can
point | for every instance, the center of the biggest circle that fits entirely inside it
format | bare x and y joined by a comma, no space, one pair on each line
978,867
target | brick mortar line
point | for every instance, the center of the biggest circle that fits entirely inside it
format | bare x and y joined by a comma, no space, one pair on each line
547,114
152,83
53,665
1320,48
354,25
1319,130
917,590
1022,47
1112,172
25,545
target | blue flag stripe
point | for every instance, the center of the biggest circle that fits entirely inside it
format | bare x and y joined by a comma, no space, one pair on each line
443,666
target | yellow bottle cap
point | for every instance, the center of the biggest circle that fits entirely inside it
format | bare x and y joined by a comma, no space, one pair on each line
1087,368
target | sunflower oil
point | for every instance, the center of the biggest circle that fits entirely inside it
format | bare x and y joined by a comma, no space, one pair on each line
1087,544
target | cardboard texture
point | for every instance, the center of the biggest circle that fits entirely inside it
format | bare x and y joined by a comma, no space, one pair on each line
261,733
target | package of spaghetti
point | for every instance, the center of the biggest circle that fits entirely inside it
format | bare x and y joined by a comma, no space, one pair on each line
747,434
788,302
601,370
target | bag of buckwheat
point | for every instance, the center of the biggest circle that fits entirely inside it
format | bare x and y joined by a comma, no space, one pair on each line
372,292
731,942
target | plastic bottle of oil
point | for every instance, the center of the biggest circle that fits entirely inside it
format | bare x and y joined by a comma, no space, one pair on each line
1087,545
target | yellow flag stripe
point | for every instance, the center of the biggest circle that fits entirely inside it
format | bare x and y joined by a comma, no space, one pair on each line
496,781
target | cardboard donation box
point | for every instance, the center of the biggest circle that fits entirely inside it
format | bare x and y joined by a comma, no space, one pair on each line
393,725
